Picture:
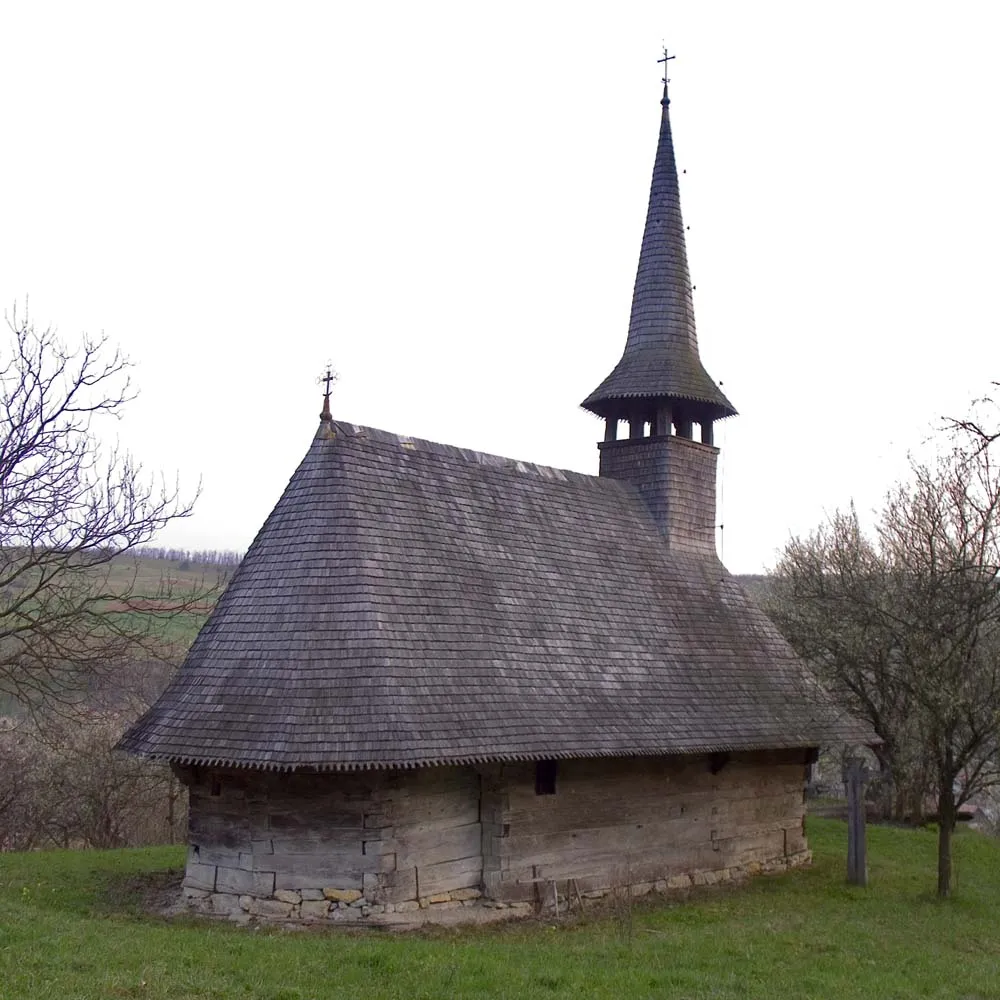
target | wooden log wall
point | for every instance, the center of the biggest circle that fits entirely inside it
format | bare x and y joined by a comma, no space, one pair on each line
617,822
338,844
433,834
253,833
388,837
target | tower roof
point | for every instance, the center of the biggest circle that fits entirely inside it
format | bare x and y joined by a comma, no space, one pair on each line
661,359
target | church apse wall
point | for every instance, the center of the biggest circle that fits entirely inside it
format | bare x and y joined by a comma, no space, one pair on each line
655,823
338,846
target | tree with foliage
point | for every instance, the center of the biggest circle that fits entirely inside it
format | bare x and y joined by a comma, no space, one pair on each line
71,512
903,625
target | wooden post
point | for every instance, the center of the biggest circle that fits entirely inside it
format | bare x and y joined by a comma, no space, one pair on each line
663,421
857,844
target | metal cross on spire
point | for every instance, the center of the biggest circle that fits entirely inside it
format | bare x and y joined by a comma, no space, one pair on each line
666,58
328,380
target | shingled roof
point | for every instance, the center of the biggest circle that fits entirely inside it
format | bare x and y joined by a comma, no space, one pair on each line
410,603
661,359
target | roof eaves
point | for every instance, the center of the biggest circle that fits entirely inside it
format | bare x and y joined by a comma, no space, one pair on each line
386,765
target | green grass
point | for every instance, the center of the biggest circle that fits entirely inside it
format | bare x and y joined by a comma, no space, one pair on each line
69,928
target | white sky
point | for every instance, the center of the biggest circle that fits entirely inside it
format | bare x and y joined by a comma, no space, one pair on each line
447,200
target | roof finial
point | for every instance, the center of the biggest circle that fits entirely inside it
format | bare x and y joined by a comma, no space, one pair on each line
666,79
328,379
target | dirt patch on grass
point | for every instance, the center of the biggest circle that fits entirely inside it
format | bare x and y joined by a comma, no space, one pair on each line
151,893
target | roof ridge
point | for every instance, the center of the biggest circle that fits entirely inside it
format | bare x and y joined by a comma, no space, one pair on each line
471,455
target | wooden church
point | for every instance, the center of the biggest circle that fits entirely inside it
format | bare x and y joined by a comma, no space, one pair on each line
444,679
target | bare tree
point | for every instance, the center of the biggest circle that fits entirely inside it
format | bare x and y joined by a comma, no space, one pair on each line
71,512
825,597
905,626
65,785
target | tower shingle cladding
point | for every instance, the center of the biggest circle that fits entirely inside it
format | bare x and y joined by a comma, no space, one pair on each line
675,476
661,354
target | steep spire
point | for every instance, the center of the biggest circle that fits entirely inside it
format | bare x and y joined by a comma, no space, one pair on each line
660,378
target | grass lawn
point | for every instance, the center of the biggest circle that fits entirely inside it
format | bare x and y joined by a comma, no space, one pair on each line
69,929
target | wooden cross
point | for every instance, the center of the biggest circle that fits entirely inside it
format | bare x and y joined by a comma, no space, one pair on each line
856,777
665,60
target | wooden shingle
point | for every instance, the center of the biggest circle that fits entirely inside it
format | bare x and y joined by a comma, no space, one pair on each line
410,603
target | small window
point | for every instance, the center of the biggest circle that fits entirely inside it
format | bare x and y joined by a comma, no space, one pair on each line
216,787
545,777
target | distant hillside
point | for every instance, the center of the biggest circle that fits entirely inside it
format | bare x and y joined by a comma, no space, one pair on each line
153,572
157,580
757,585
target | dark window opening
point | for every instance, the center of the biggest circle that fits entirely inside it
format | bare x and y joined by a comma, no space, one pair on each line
545,777
216,788
717,762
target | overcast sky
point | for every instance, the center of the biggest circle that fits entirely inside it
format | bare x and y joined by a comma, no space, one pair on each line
447,200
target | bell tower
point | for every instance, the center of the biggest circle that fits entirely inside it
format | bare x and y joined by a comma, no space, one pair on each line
660,387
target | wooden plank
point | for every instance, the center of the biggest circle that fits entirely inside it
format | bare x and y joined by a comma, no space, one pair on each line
319,878
608,871
323,841
214,856
756,846
305,863
234,880
307,821
428,779
399,885
198,876
624,808
432,846
795,839
464,874
523,797
218,833
263,884
678,774
663,833
434,827
456,807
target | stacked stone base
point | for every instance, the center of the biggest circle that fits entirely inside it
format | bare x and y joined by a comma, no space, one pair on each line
329,904
349,906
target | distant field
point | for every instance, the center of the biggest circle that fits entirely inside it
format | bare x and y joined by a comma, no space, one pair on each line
153,586
150,576
69,928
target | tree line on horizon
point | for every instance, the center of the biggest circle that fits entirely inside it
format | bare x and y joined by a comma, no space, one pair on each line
192,557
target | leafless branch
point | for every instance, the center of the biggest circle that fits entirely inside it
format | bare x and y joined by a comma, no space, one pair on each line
72,510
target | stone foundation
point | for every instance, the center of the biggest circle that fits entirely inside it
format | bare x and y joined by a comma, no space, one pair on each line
348,906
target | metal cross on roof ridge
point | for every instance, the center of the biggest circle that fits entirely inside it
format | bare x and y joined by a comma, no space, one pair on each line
328,380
